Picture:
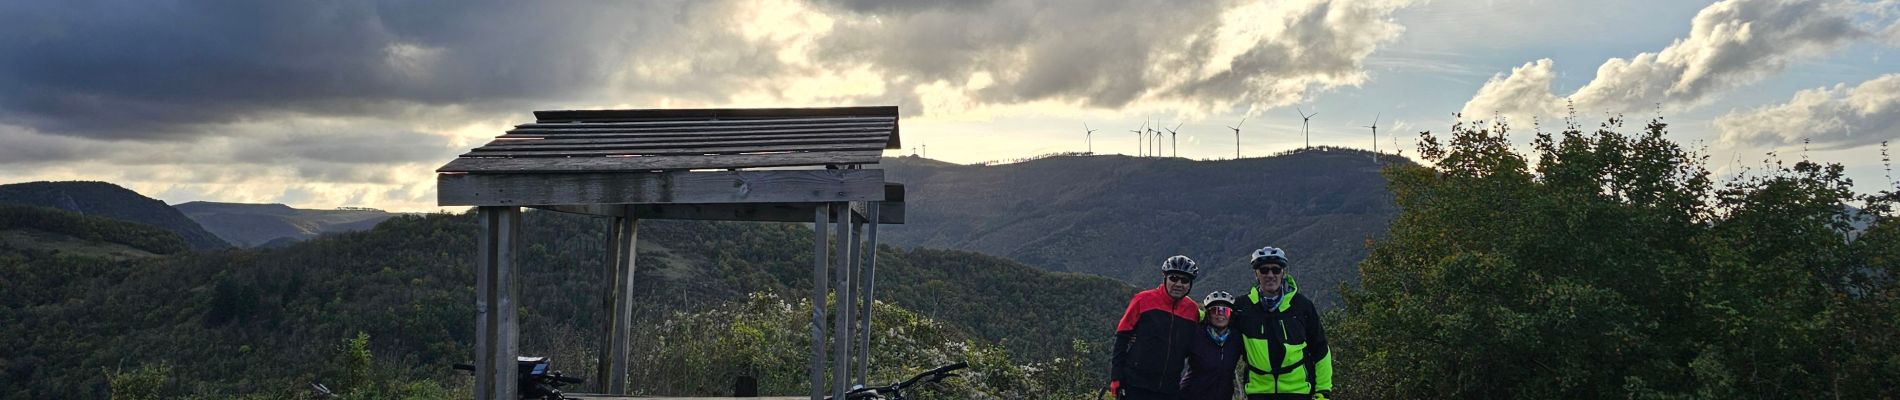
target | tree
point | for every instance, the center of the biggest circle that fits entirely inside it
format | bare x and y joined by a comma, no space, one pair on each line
1613,268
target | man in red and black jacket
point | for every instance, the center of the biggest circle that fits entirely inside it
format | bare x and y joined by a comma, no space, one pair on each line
1151,343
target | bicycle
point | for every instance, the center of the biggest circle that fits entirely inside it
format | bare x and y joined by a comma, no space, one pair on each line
535,379
895,391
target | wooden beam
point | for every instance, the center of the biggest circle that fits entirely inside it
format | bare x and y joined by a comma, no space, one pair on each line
769,186
677,162
752,212
821,220
608,138
496,329
714,113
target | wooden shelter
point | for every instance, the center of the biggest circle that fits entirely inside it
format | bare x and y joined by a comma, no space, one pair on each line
776,164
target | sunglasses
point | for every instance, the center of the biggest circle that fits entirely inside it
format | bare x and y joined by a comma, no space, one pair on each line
1220,311
1180,279
1270,269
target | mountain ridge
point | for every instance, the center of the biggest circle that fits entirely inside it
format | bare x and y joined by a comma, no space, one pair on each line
1119,216
274,225
108,200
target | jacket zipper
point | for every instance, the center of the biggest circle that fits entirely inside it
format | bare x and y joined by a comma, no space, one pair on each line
1276,366
1172,307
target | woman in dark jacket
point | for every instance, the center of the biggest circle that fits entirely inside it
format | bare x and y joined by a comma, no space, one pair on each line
1212,357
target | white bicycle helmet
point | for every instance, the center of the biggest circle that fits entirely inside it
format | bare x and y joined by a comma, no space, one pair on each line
1268,254
1218,296
1181,264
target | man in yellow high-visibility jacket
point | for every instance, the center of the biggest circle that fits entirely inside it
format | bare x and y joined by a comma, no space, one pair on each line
1286,352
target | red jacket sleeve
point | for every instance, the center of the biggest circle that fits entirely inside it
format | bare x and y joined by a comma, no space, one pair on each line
1129,316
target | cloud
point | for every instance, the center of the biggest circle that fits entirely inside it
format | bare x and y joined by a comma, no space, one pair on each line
121,69
1526,90
1828,117
1115,54
1730,44
355,99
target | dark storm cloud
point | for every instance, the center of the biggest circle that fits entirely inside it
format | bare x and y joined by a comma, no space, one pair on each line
145,69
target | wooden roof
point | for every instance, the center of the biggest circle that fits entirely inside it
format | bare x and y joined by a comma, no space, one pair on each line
686,139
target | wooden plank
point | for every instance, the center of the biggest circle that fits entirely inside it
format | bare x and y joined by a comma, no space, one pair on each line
496,339
640,116
769,186
735,122
676,162
859,146
558,129
820,260
713,113
698,146
615,138
753,212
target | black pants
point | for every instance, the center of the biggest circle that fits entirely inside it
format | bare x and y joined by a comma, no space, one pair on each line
1129,393
1279,396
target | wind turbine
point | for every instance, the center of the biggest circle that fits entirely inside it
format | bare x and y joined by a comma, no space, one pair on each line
1154,141
1147,138
1139,139
1375,136
1304,119
1089,136
1174,139
1236,128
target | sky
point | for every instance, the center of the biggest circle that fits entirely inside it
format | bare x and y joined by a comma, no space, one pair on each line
321,104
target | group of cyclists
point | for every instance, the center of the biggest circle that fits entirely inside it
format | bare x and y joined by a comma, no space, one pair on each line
1169,347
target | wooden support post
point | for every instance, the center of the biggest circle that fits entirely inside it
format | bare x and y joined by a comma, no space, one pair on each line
821,220
610,262
851,305
870,289
626,233
496,339
841,323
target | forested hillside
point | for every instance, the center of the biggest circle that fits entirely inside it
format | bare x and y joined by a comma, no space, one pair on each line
40,232
262,321
1120,216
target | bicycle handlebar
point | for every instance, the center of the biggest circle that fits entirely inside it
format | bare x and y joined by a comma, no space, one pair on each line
933,373
562,379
